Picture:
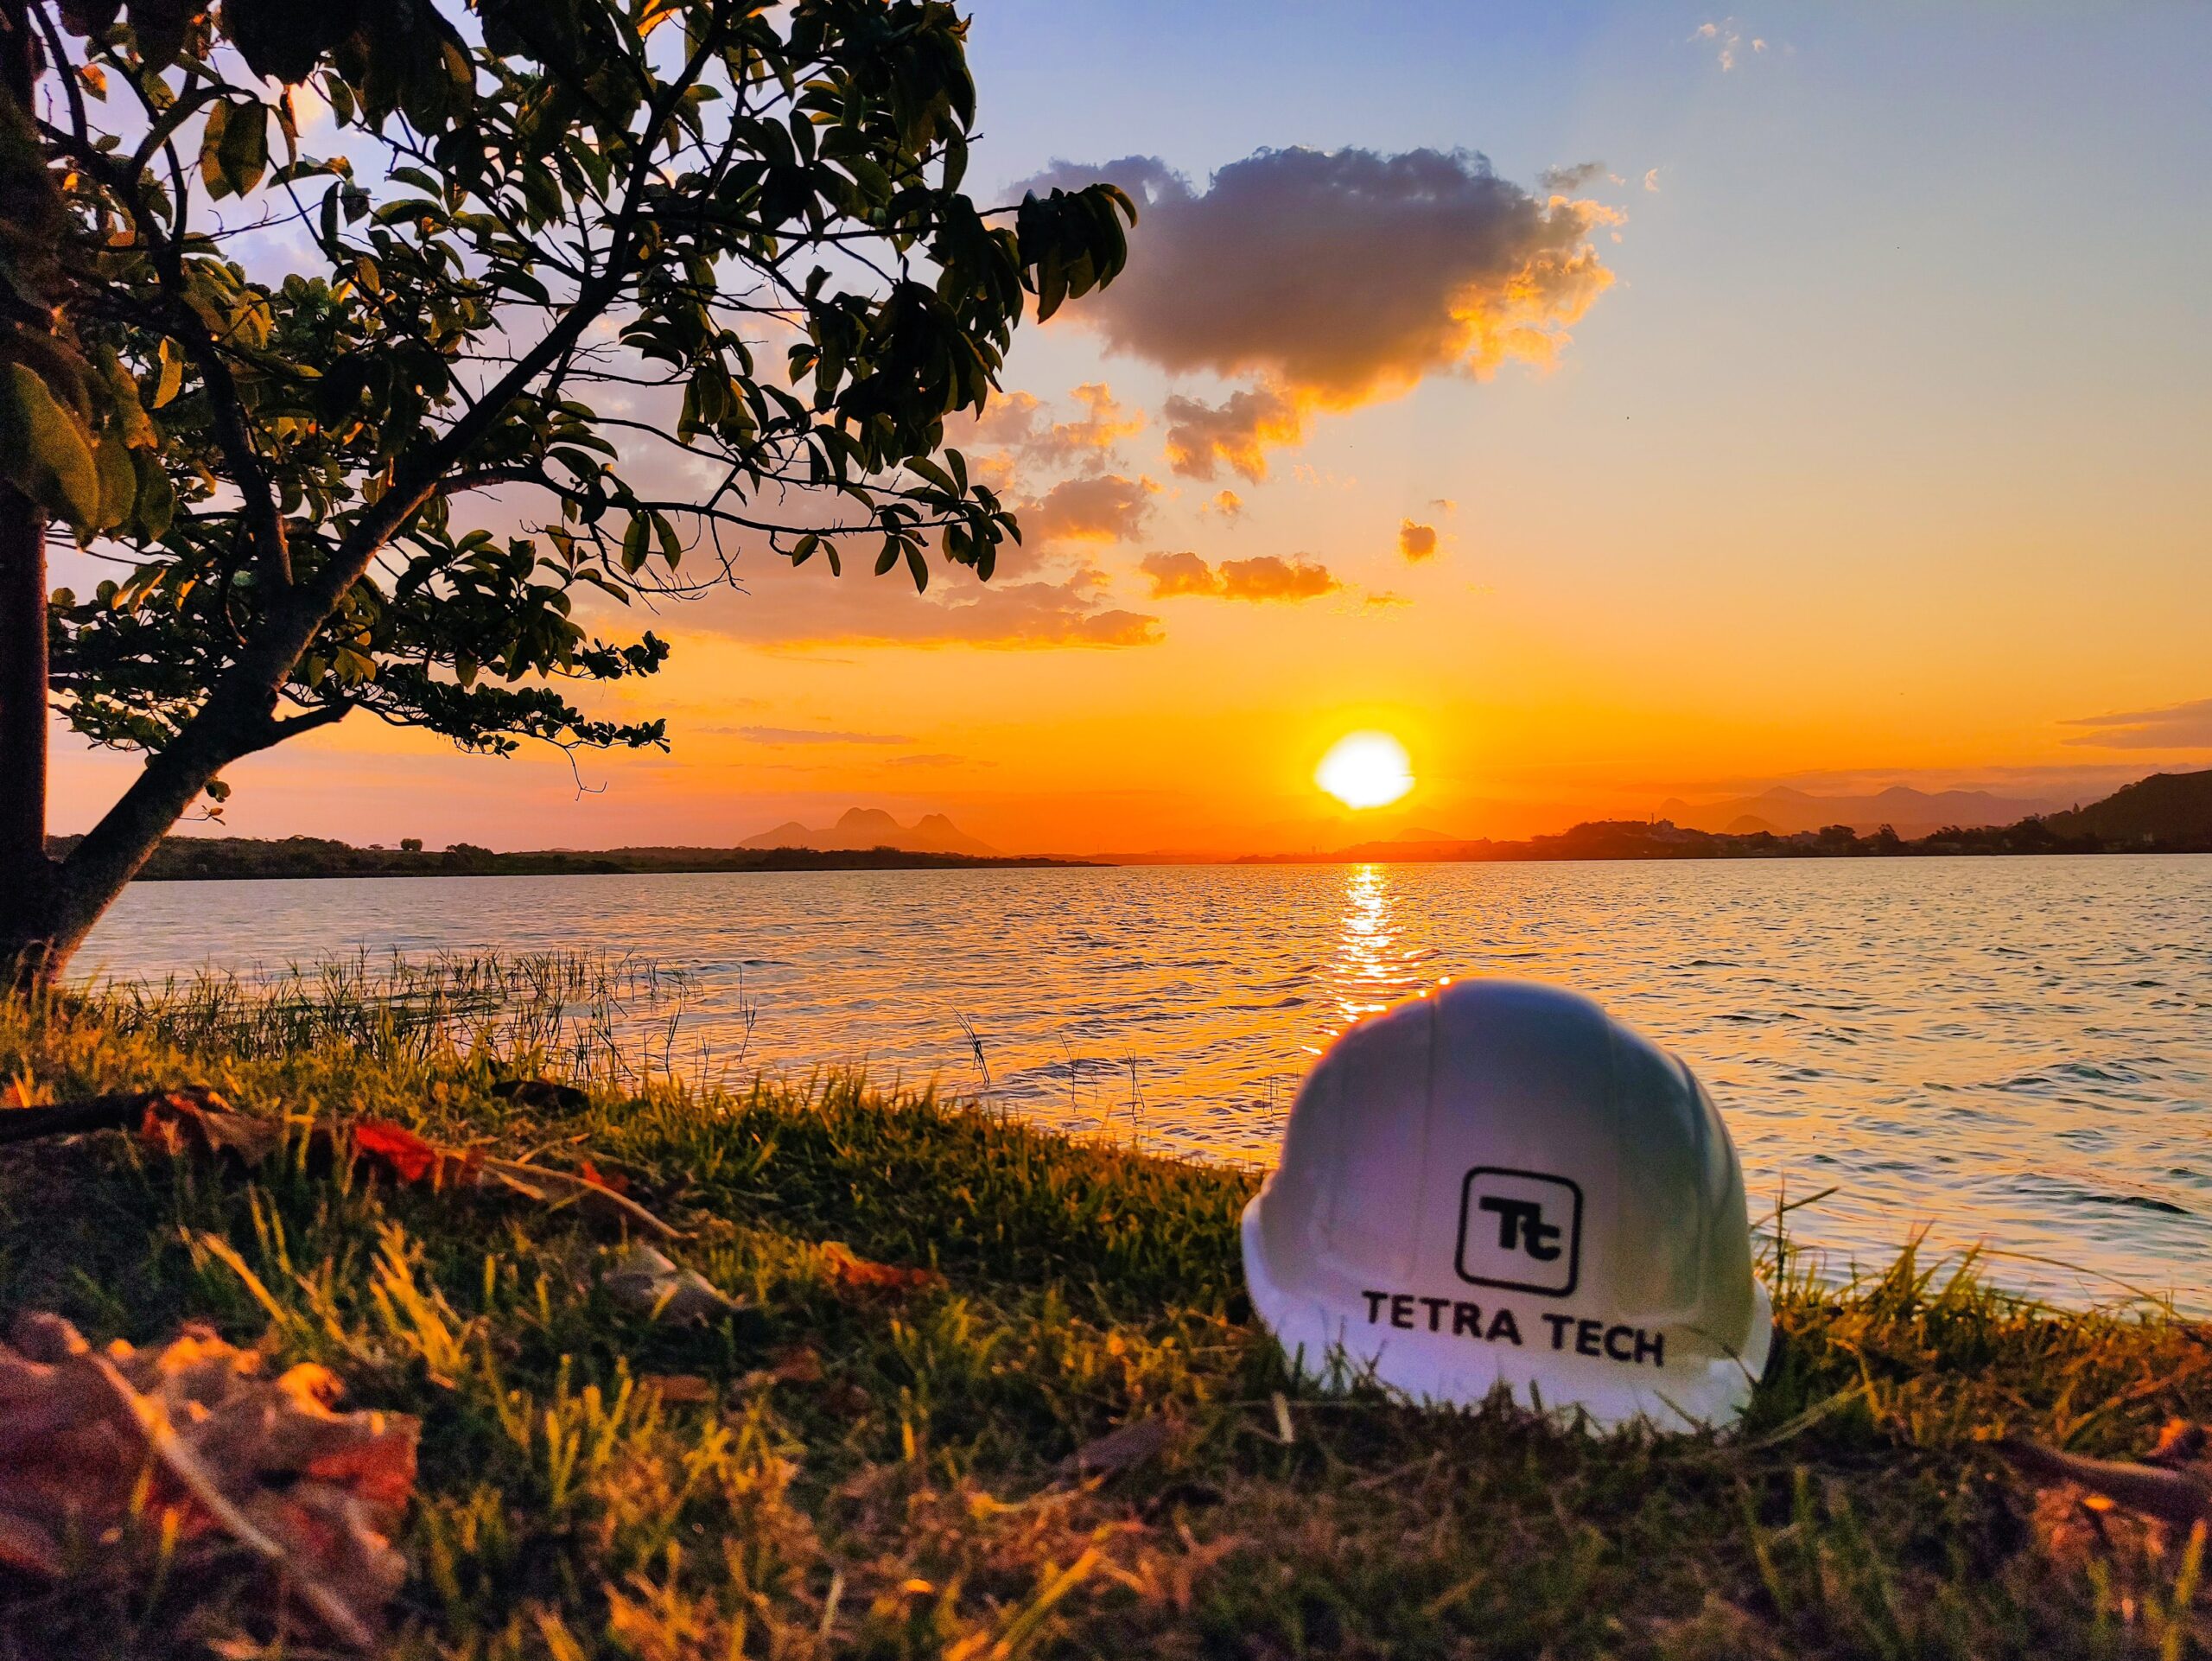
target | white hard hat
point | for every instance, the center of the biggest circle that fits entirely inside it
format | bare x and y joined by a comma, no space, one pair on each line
1498,1184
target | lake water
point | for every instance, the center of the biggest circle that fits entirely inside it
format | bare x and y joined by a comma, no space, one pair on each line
2014,1051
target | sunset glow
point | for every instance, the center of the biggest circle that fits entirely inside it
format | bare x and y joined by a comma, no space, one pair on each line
1366,770
1700,453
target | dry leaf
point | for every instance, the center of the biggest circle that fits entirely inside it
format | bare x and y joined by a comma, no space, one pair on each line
1117,1450
646,1280
2179,1442
268,1463
613,1180
683,1389
852,1273
799,1365
399,1151
198,1121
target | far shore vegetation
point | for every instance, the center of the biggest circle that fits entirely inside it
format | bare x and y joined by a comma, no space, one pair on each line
2166,813
929,1465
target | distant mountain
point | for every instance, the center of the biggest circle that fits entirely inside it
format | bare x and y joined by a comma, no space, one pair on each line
1910,812
859,828
2166,807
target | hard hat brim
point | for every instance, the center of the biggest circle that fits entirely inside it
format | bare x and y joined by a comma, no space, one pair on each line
1326,1343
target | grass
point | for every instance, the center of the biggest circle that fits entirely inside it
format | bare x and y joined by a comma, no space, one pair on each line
883,1478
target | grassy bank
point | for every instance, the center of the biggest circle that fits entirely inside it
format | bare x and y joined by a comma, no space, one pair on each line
884,1476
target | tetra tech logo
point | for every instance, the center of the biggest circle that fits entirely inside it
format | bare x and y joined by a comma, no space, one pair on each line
1521,1230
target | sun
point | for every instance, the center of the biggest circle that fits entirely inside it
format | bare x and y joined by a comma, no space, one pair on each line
1365,770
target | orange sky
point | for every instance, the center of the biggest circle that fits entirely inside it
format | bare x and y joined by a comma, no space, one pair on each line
1803,437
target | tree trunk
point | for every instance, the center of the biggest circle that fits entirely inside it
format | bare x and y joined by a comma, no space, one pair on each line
28,958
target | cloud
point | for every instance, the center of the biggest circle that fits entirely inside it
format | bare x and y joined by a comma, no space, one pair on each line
811,735
1227,503
2176,727
1339,278
1651,180
1266,577
1020,425
1729,46
1415,541
1096,507
1178,574
808,607
934,759
1384,600
1204,437
1570,178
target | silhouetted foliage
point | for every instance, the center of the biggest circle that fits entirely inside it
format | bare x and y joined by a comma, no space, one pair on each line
551,249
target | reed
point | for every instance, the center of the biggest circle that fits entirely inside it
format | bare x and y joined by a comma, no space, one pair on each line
888,1478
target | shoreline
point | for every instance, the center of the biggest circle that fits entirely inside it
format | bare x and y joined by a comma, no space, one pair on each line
585,864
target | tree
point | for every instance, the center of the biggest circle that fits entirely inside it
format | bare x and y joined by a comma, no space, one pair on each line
377,481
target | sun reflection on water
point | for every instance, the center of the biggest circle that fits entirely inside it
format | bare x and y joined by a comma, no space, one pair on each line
1375,966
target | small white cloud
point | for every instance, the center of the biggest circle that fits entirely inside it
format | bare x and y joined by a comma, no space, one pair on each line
1727,39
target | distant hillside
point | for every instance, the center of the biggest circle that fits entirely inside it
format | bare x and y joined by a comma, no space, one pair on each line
2166,807
859,828
1908,812
2166,813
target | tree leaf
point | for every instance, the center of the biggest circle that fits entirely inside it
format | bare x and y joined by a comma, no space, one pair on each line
118,480
46,451
171,375
155,506
243,148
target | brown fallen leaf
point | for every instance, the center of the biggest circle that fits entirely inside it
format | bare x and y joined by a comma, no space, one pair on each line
193,1432
853,1273
799,1365
399,1152
1118,1449
646,1280
682,1389
199,1122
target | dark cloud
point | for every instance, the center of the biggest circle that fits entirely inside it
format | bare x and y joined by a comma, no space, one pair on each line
2176,727
1416,542
1341,277
1267,577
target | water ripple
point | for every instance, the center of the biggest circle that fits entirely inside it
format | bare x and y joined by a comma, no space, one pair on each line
1941,1039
